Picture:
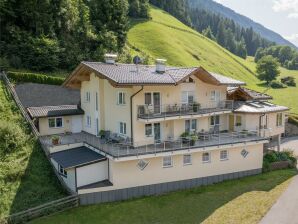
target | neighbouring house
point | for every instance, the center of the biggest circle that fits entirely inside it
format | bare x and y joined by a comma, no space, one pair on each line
152,129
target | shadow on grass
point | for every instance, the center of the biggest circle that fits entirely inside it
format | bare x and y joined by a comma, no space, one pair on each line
187,206
38,184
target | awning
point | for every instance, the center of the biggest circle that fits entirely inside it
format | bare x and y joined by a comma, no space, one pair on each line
75,157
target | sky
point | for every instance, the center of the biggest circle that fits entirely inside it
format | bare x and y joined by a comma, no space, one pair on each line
280,16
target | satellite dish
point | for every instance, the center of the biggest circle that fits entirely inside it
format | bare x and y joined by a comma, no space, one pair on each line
137,60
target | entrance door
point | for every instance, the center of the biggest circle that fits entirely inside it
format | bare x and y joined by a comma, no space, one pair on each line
157,135
231,123
156,102
76,124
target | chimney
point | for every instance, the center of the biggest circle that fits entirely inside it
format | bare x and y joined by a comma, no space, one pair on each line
160,65
110,58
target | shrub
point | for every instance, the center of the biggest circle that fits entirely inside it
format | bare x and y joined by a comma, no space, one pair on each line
276,160
20,77
289,81
277,85
12,137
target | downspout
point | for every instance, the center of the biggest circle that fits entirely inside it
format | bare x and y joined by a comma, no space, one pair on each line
131,116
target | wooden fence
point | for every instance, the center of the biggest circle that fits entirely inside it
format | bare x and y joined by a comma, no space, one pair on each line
43,210
50,207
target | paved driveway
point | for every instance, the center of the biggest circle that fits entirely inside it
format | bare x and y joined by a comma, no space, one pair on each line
285,210
290,143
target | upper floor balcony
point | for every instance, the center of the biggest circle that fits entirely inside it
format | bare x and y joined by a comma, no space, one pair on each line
174,111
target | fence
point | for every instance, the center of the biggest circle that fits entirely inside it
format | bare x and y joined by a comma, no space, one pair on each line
35,132
45,209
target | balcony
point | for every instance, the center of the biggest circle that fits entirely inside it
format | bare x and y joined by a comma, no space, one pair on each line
118,150
172,111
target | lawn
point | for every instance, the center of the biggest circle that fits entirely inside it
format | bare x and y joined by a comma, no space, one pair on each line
165,37
26,177
237,201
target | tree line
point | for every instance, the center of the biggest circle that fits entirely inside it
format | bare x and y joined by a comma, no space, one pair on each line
286,56
58,34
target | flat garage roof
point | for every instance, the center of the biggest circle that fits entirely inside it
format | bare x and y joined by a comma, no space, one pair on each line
76,157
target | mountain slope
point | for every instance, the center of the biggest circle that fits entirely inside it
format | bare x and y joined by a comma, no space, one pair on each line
165,37
241,20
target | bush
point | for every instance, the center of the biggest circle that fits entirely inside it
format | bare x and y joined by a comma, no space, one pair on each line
289,81
12,137
20,77
276,160
277,85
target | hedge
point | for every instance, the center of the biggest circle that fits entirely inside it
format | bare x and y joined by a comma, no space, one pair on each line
21,77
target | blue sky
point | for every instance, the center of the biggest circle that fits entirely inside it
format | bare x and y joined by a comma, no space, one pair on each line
280,16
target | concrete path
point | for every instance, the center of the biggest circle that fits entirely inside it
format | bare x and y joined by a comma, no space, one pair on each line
285,210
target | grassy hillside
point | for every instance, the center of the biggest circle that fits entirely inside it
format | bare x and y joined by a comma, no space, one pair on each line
26,177
166,37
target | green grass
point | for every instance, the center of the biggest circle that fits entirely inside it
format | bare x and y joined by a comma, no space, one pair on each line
244,200
26,177
166,37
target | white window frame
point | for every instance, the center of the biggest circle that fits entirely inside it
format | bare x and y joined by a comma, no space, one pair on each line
223,158
214,94
215,120
279,120
209,157
122,128
167,165
185,97
191,129
55,120
88,121
190,159
87,96
151,133
62,171
121,98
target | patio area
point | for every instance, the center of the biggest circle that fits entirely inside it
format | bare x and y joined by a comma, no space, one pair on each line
142,148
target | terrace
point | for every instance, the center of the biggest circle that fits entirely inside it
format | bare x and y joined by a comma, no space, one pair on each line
118,150
171,111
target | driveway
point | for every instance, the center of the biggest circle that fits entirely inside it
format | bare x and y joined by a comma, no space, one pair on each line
285,210
290,143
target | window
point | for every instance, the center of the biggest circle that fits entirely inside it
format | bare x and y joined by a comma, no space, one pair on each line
214,95
56,122
121,98
96,101
148,99
88,121
190,125
167,161
187,97
279,119
206,157
187,159
238,120
122,128
224,155
148,130
87,96
62,171
214,120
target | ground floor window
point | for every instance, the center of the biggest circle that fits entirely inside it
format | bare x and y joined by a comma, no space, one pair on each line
122,128
88,121
56,122
214,120
187,159
238,120
206,157
167,161
148,130
223,155
62,171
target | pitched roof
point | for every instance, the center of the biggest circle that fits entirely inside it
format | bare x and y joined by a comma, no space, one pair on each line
257,107
252,94
76,157
54,111
38,95
130,74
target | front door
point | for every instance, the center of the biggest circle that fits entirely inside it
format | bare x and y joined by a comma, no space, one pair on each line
157,132
76,124
231,122
156,102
